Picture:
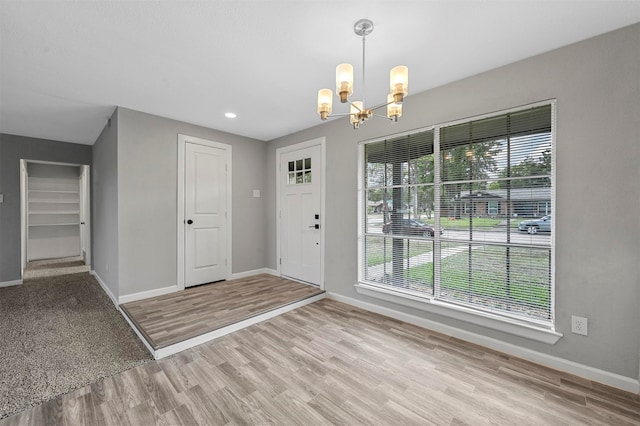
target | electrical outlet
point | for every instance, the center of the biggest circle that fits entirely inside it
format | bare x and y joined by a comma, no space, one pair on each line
579,325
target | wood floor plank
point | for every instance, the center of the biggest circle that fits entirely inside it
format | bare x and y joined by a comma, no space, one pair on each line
203,409
330,363
178,416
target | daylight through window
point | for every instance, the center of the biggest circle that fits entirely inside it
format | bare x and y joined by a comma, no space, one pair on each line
461,213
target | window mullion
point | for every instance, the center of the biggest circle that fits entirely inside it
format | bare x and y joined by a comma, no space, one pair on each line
436,207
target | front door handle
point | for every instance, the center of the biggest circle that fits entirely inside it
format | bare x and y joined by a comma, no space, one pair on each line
316,226
189,222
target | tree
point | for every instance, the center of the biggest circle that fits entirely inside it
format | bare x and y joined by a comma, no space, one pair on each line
413,172
469,162
420,171
529,168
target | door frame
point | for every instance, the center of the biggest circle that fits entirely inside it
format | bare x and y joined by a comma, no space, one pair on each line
85,196
24,183
182,144
85,208
323,167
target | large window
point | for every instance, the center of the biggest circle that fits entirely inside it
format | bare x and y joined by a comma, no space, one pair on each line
460,214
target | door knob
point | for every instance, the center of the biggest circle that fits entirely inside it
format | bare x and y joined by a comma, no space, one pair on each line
189,222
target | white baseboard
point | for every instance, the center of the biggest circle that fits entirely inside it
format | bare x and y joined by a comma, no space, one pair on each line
198,340
246,274
10,283
147,294
105,288
173,288
611,379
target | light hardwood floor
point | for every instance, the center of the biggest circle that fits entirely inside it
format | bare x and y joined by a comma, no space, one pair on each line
172,318
330,363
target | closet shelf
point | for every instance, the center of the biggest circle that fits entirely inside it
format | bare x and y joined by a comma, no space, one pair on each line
50,212
52,201
54,224
54,191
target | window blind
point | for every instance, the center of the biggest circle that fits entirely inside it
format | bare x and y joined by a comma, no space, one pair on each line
461,213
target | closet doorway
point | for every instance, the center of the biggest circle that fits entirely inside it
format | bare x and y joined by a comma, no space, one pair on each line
55,211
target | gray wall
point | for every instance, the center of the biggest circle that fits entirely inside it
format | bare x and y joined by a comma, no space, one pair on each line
104,206
147,199
597,86
12,149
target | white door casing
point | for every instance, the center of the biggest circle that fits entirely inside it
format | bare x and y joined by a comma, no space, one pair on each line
301,215
204,198
24,177
82,213
85,214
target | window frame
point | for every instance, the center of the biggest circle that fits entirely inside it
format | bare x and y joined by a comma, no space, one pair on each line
530,328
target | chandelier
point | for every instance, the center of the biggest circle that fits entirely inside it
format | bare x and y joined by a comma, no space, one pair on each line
399,87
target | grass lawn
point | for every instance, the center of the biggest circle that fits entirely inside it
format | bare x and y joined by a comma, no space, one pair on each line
529,277
479,222
463,223
379,250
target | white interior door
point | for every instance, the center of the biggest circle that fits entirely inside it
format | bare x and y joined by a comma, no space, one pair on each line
206,230
300,203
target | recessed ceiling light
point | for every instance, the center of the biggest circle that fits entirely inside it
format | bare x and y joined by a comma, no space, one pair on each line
230,115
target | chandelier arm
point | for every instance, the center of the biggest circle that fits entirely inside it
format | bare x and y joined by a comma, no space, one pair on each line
382,116
344,114
383,105
356,107
380,106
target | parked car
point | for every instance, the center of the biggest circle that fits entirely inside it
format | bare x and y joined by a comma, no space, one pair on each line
534,226
412,227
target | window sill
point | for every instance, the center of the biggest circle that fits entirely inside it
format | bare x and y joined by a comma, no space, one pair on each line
524,329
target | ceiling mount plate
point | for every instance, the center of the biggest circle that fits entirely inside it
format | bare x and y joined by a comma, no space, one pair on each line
363,27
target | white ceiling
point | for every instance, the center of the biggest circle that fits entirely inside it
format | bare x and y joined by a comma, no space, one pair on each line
65,65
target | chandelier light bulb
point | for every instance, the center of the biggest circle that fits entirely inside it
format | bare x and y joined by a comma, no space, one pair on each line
399,82
344,81
356,110
325,102
394,110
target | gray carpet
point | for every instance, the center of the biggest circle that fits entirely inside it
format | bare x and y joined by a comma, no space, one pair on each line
58,334
57,265
52,267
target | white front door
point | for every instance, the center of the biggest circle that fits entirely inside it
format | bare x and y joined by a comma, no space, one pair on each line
205,221
300,235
